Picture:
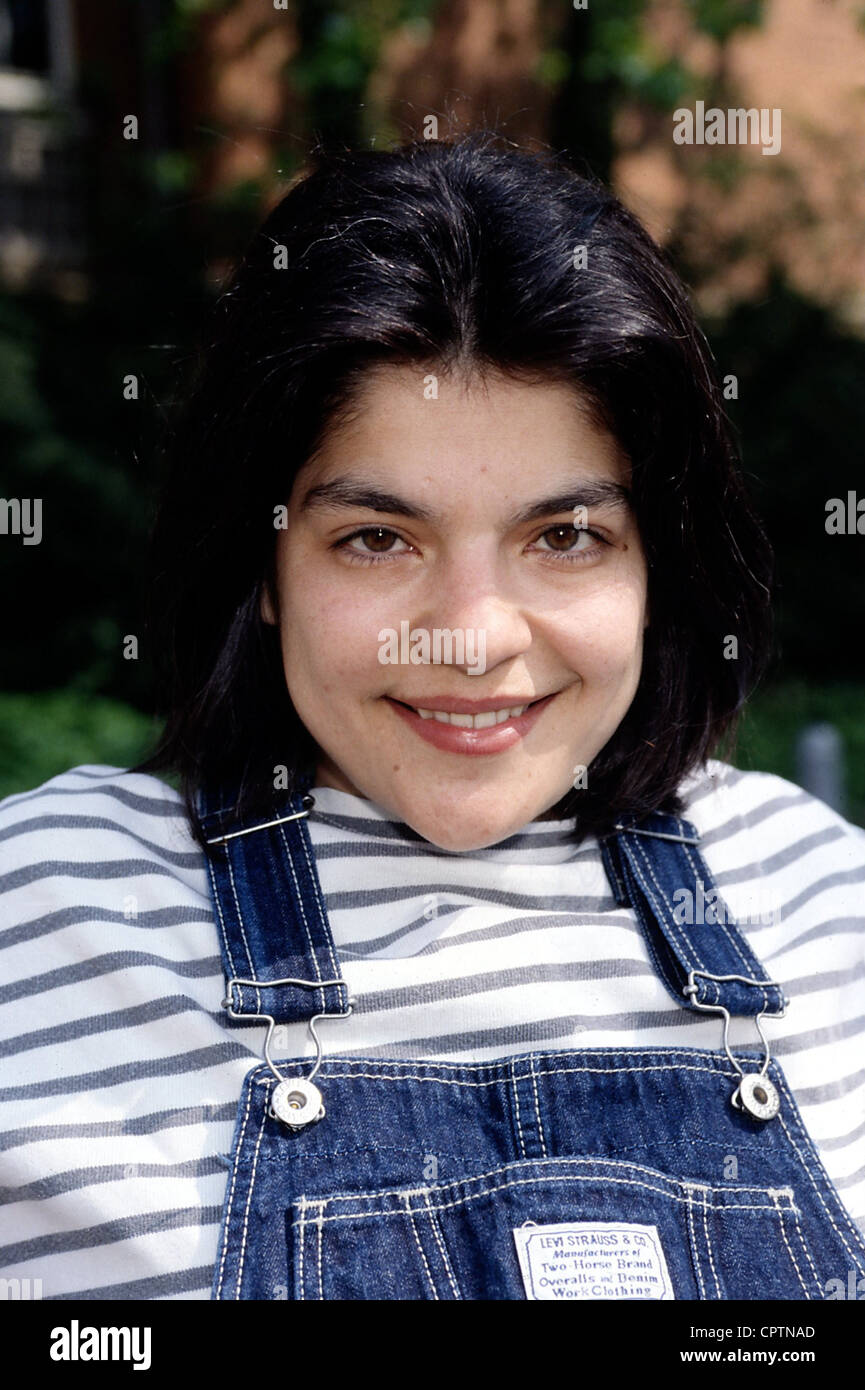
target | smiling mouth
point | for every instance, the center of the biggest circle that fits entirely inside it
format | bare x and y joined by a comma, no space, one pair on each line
487,719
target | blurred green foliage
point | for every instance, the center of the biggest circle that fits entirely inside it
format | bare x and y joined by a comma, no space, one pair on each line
340,46
42,735
777,713
721,18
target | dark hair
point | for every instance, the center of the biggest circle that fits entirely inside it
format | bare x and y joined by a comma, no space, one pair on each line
459,254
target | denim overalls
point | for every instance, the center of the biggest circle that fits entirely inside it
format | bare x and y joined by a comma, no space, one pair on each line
654,1173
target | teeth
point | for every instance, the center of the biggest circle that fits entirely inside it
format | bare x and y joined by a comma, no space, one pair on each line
473,721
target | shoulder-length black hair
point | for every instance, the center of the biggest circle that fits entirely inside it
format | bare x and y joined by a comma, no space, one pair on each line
458,253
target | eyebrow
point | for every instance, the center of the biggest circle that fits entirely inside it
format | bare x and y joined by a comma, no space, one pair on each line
346,493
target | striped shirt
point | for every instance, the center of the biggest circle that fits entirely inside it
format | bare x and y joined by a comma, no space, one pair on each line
120,1073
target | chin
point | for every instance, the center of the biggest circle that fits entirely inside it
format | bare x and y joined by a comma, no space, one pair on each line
465,836
465,844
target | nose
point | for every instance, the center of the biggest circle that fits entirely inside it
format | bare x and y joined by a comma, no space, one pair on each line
471,595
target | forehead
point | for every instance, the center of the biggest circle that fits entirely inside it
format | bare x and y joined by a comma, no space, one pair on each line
445,430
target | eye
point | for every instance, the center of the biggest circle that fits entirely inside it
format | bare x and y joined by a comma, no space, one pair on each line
373,543
564,541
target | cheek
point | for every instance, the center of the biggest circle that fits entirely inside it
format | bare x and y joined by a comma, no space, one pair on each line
604,639
329,634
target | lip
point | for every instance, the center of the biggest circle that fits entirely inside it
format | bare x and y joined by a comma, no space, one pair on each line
454,704
448,738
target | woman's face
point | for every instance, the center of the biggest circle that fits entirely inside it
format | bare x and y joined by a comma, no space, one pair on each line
430,562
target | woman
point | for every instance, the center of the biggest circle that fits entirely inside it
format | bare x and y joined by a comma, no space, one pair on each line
459,968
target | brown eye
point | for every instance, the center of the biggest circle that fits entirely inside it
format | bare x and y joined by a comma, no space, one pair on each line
376,538
575,544
373,543
563,537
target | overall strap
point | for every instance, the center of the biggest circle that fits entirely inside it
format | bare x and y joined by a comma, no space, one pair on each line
654,866
277,948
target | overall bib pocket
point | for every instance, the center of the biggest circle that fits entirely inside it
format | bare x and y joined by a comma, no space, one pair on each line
457,1240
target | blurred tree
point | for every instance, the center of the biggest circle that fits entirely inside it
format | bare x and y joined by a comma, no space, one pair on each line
605,57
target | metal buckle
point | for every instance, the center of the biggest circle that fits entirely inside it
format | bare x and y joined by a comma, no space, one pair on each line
755,1093
298,1101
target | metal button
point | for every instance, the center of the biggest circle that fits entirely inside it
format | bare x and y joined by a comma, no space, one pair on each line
758,1096
296,1103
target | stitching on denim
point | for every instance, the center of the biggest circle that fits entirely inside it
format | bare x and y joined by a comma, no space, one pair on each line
438,1233
661,964
703,1191
750,964
614,876
464,1201
682,953
223,930
516,1089
313,876
219,810
803,1159
686,951
305,1204
538,1117
646,921
301,904
225,1239
703,873
249,1201
252,970
501,1063
694,1246
797,1227
527,1182
554,1164
406,1197
282,1160
604,1071
777,1206
806,1164
325,1155
301,1243
319,1250
267,1080
242,926
299,900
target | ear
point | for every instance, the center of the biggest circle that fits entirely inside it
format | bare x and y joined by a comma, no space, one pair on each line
266,606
